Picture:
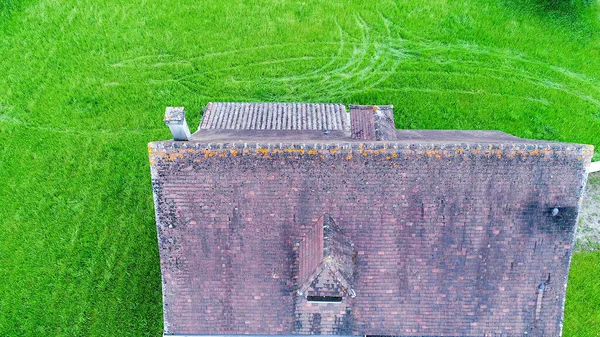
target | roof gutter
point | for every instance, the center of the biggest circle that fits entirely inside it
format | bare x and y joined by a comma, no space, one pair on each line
169,335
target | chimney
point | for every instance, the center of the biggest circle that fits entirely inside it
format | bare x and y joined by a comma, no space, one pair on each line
175,119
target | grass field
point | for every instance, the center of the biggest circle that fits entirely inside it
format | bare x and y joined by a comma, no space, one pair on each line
83,86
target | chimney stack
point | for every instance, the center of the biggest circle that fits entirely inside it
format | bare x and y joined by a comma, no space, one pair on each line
175,119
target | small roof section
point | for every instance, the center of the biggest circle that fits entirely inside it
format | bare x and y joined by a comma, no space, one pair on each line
274,116
326,250
224,122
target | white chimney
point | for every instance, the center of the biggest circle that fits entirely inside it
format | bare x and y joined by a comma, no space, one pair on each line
175,119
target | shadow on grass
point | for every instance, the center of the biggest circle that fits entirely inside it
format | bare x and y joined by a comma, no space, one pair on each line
579,16
9,9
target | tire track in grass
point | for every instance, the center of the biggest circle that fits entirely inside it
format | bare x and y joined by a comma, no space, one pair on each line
260,63
593,83
333,79
353,74
515,72
132,62
375,58
194,86
359,68
196,90
318,72
321,76
453,91
522,77
87,132
266,46
448,73
192,83
502,54
397,53
408,35
356,70
353,63
375,71
257,63
365,73
342,43
386,23
340,79
512,71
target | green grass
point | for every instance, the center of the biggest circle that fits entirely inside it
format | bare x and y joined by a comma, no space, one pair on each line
83,86
583,296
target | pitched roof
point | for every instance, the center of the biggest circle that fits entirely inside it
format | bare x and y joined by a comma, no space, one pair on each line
274,116
233,121
452,229
326,250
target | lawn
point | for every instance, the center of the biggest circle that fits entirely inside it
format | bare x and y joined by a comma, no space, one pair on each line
83,86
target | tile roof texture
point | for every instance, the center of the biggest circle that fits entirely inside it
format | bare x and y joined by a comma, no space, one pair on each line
326,249
372,122
274,116
437,233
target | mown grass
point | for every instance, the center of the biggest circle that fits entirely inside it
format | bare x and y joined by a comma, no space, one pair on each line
83,86
583,296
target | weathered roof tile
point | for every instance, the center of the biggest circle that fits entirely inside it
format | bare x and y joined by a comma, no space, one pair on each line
274,116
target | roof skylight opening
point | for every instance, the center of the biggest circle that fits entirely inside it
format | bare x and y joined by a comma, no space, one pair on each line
327,299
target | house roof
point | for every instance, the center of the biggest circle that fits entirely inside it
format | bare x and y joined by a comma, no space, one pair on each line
274,116
453,230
